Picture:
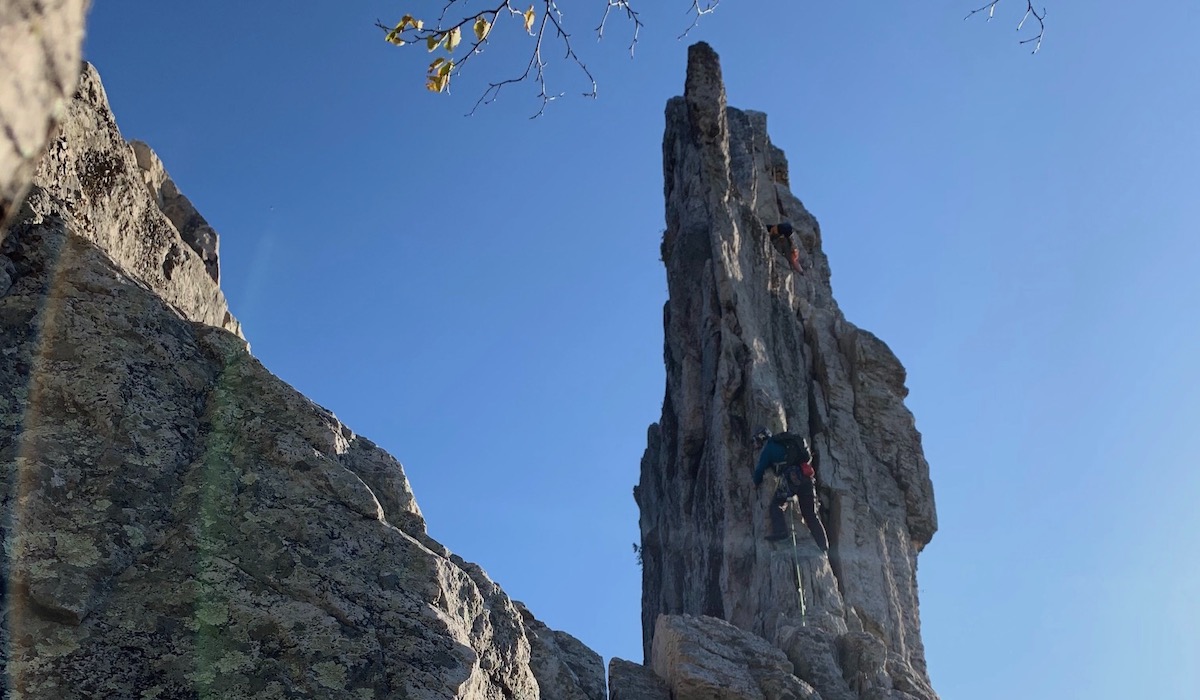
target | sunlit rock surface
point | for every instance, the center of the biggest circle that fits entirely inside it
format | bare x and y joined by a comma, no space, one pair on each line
749,343
703,657
118,196
39,61
177,521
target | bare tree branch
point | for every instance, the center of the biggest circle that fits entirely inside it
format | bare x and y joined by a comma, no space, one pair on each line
1036,40
699,11
551,25
447,33
415,35
536,65
630,14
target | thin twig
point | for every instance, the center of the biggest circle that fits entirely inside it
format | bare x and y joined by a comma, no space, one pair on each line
630,14
710,6
413,36
1029,12
535,67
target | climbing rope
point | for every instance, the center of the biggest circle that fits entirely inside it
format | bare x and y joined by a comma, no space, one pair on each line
796,562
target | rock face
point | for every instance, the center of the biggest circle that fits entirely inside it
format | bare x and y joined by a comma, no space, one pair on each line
192,227
702,657
751,343
105,189
177,521
630,681
565,669
39,60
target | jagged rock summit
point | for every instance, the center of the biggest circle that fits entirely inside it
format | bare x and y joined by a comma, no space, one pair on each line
177,521
749,342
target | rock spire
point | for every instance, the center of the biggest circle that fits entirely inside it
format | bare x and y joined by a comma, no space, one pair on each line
749,342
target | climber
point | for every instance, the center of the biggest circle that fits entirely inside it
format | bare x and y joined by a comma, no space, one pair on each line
790,455
781,238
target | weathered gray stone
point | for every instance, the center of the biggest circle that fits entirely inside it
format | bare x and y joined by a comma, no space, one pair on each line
178,522
179,517
8,273
750,343
192,227
814,655
90,179
39,60
863,660
630,681
710,659
907,682
565,669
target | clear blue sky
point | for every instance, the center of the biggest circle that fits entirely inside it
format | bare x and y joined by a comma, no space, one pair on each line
482,296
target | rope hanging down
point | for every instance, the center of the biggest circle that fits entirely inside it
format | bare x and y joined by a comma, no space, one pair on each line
796,563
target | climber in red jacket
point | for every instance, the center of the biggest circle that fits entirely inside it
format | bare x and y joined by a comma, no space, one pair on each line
781,238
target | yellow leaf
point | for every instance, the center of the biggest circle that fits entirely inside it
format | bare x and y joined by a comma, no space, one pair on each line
437,83
418,24
453,37
394,38
404,22
444,71
434,66
529,17
482,27
433,41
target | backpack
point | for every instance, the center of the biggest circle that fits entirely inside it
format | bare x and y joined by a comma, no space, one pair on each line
796,446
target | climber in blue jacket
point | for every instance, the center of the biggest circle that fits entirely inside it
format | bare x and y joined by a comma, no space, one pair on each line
790,455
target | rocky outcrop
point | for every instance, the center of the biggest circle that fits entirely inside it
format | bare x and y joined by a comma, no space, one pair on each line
630,681
180,523
192,227
39,61
751,343
565,669
104,189
702,657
